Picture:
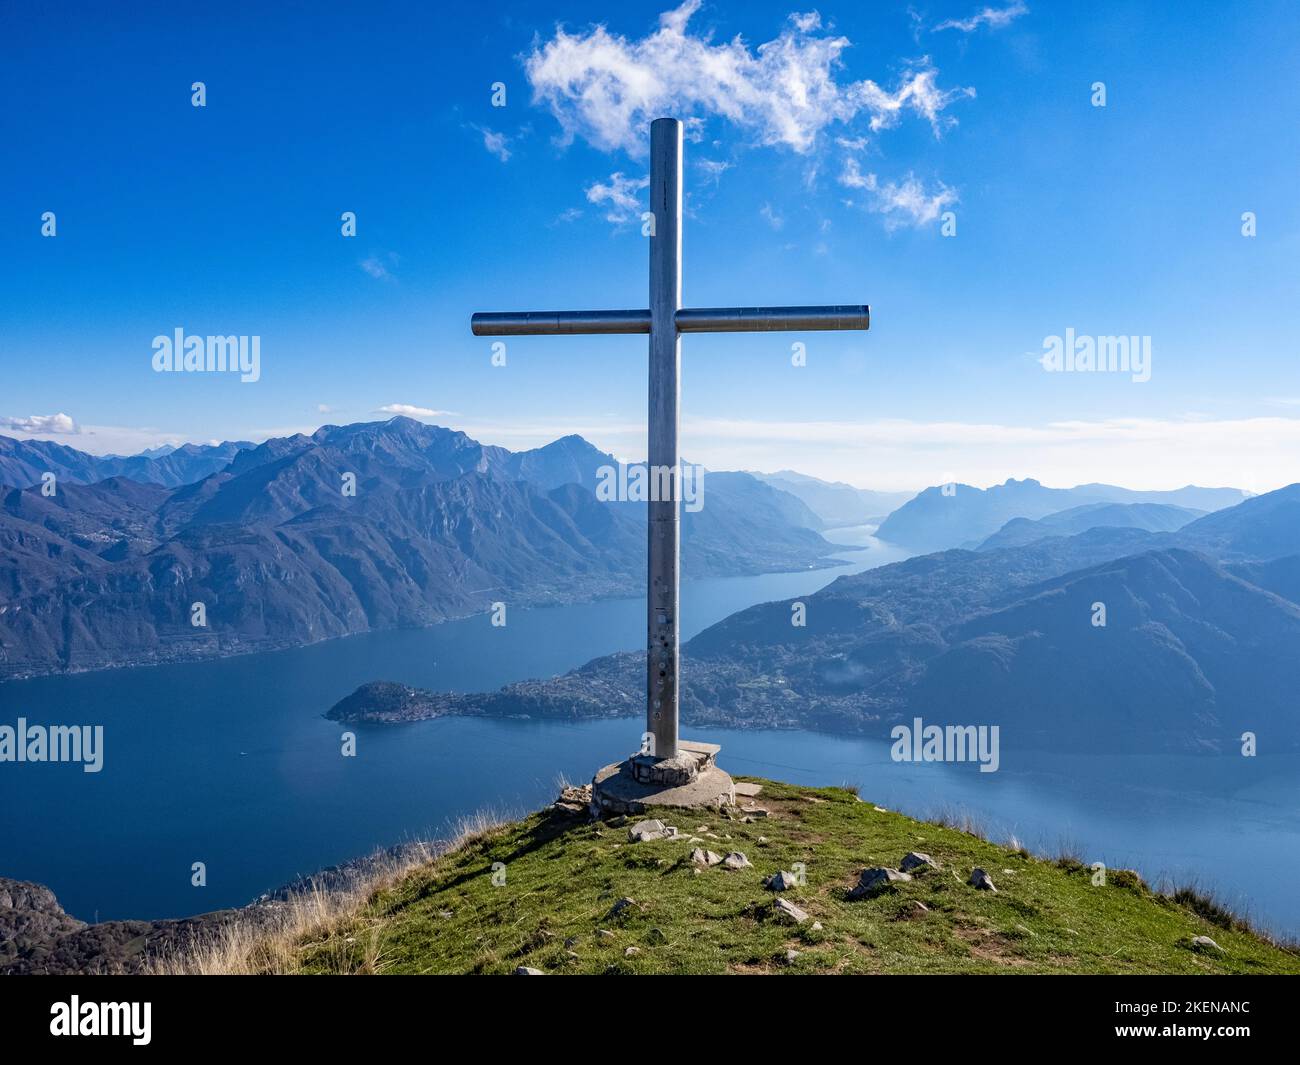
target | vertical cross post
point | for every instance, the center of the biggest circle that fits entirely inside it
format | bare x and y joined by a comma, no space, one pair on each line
664,421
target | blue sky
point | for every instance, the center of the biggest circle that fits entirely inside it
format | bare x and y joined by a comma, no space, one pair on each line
823,152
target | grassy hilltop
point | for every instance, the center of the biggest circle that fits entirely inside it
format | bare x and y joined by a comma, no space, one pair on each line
562,909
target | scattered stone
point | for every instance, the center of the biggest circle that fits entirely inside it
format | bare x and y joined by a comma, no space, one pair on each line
525,970
754,811
1028,931
621,905
656,935
917,860
571,955
980,879
604,933
573,801
1206,943
445,914
877,879
571,942
791,956
706,858
762,841
643,831
786,910
919,908
880,809
746,790
631,952
736,860
816,926
781,881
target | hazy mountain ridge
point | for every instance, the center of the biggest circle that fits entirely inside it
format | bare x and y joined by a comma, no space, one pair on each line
961,515
23,462
1151,517
835,503
440,526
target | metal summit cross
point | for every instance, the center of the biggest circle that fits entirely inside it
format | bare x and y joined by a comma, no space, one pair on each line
665,321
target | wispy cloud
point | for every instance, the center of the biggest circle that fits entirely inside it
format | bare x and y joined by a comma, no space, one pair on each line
47,424
605,87
902,203
620,196
1148,453
380,266
411,411
713,169
773,219
992,17
497,144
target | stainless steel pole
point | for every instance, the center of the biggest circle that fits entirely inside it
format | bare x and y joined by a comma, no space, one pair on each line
664,421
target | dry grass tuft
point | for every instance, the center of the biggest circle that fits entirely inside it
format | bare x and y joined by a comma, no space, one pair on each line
267,938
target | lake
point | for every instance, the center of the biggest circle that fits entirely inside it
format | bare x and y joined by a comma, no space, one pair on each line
231,763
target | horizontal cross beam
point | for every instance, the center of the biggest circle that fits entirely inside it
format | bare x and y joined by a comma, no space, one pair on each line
688,320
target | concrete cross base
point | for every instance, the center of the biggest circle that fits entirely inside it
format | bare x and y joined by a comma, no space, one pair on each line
634,785
689,762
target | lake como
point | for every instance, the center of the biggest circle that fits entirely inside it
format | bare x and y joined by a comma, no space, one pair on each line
232,764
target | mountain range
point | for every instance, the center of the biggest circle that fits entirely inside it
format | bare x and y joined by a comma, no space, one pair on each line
23,462
959,515
834,503
279,554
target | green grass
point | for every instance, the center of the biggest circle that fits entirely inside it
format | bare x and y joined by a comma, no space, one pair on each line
562,879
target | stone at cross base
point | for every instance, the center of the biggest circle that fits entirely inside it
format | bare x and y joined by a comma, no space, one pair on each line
690,779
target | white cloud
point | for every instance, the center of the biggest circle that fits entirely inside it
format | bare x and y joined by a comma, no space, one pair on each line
413,412
713,169
620,194
378,266
606,87
771,216
902,203
496,143
992,17
45,424
324,408
1256,454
